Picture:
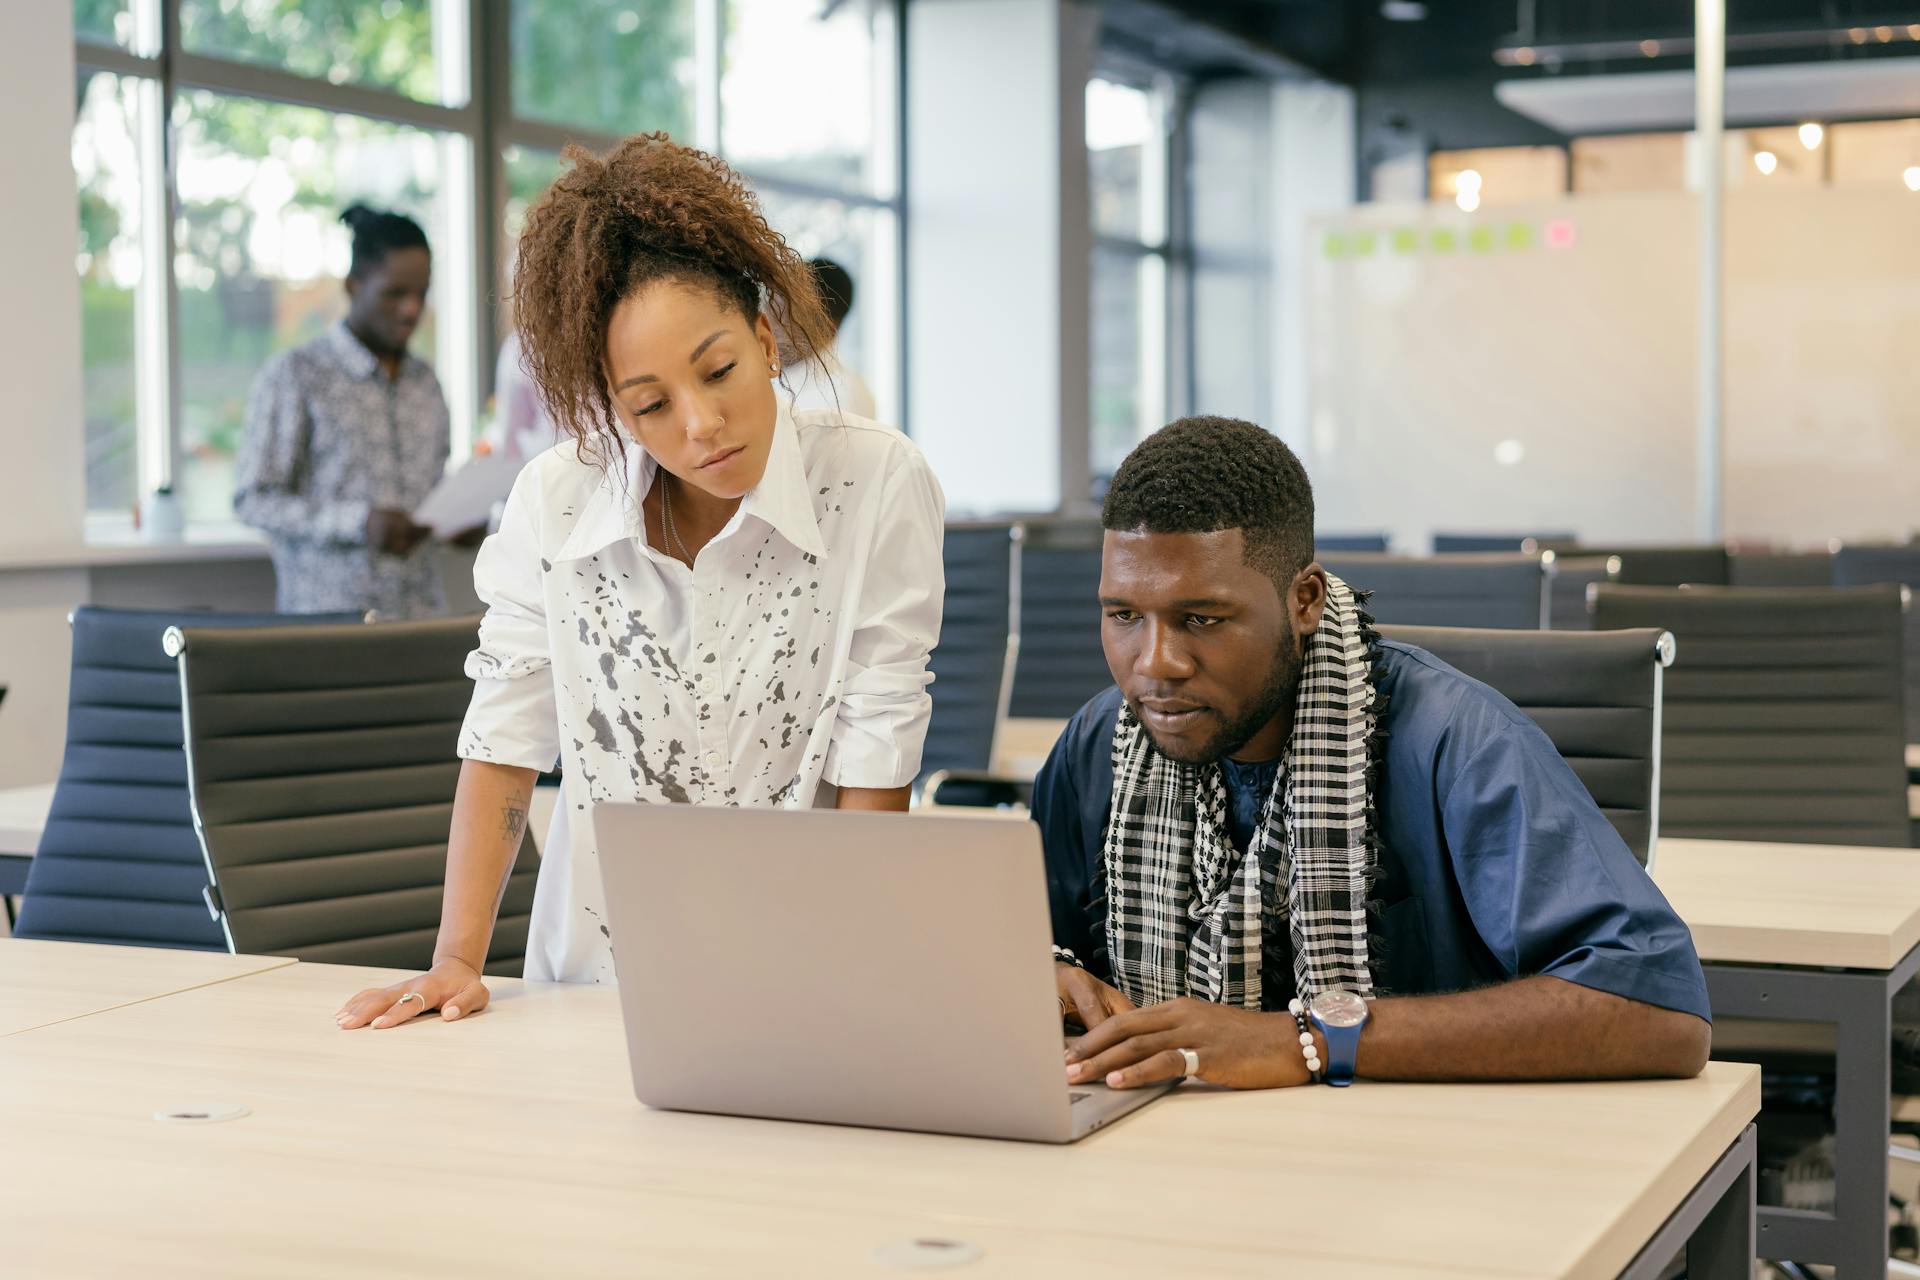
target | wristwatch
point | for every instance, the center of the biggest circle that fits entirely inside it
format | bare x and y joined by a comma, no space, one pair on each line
1340,1015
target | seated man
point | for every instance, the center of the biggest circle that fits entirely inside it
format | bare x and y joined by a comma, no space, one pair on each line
1284,850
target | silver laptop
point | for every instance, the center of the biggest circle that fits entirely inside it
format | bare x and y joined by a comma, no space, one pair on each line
846,968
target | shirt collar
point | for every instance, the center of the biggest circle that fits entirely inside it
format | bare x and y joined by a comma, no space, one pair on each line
357,359
781,500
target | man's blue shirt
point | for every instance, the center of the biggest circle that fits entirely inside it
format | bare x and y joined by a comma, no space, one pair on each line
1496,863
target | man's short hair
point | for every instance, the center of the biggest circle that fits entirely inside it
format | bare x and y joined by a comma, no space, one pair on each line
1204,474
836,288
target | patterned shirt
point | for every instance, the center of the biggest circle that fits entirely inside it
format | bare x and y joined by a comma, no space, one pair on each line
791,659
329,439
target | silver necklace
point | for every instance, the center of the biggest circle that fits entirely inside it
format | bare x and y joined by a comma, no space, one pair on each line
666,518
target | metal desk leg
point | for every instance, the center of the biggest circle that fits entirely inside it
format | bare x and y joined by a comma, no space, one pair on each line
1714,1223
1859,1004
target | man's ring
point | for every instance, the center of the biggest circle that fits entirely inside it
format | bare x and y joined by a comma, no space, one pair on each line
1190,1062
415,995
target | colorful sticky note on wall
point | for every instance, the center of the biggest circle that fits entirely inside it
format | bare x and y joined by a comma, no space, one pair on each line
1406,240
1364,243
1519,235
1335,245
1560,234
1480,240
1443,240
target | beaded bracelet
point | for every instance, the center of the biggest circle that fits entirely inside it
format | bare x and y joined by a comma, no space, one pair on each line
1307,1048
1063,956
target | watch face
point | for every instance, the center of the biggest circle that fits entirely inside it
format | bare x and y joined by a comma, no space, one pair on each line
1340,1008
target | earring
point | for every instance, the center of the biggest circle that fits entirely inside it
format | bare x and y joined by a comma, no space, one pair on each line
774,368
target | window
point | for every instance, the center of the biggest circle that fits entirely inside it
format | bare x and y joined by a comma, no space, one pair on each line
606,66
1127,174
259,252
1229,142
270,117
388,44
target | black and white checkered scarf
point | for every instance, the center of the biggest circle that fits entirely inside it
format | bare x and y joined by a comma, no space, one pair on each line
1189,915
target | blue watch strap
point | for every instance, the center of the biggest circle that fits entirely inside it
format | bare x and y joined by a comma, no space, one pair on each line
1343,1050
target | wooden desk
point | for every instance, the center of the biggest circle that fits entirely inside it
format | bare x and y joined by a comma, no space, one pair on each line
511,1145
1800,904
1812,934
42,983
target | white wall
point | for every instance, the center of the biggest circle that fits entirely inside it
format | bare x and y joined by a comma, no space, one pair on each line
1313,174
997,248
42,484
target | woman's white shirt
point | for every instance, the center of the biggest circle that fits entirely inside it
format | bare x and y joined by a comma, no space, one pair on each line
789,661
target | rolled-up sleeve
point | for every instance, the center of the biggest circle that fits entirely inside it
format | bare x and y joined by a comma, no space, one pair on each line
1551,886
884,706
513,719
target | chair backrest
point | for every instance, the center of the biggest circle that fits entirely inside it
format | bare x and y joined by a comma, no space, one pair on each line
973,663
1780,569
1783,717
1568,586
1855,566
1349,542
118,861
322,767
1447,544
1060,663
1666,566
1596,695
1484,590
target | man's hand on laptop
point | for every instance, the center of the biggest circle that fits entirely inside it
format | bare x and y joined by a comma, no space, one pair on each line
1084,998
451,986
1236,1047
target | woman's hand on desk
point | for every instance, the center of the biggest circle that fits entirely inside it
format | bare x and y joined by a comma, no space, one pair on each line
451,986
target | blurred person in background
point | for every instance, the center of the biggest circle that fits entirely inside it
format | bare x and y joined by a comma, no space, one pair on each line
825,382
346,435
521,428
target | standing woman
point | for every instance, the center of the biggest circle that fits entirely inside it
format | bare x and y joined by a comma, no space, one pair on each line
702,596
346,435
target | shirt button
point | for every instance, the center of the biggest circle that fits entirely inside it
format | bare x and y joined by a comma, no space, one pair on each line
713,762
703,682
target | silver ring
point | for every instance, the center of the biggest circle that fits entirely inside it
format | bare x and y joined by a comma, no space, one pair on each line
1190,1062
412,995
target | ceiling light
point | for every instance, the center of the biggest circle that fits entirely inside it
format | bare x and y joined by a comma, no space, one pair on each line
1651,48
1766,162
1403,10
1468,201
1811,135
1858,35
1912,177
1523,56
1467,180
1883,34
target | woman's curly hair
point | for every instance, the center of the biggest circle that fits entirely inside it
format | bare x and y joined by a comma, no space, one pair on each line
648,210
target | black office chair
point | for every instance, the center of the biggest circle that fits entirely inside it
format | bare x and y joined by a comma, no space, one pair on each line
1486,590
1596,695
118,861
322,765
973,663
1661,566
1572,579
1060,664
1349,542
1448,544
1855,566
1780,569
1784,722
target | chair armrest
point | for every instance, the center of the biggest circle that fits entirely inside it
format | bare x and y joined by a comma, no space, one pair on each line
975,789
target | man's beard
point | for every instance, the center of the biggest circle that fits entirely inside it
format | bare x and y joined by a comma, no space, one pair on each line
1277,694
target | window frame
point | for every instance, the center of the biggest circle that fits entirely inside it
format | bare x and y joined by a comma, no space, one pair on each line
472,44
